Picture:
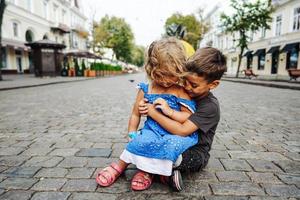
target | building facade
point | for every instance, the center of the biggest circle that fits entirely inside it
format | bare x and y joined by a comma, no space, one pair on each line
270,52
26,21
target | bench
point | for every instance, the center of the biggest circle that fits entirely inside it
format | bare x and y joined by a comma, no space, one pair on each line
249,73
294,73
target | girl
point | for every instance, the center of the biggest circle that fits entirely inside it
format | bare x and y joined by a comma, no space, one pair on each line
154,150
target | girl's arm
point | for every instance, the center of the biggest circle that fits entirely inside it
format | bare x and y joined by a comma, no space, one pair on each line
179,116
135,117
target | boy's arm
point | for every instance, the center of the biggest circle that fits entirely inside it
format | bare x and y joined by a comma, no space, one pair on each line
135,117
182,129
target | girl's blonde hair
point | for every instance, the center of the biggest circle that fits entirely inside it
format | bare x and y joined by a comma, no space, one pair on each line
165,58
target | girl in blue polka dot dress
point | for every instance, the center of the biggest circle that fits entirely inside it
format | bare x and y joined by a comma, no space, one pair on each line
154,150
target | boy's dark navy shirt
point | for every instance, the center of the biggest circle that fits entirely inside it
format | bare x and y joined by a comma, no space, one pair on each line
206,118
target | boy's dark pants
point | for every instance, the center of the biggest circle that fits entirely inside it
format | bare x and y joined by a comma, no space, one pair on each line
194,159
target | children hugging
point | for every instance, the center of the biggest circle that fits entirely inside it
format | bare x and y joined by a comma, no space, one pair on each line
182,116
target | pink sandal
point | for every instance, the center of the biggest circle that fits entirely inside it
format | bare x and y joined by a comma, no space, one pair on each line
109,175
143,178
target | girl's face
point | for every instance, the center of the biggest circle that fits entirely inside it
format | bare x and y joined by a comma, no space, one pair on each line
167,81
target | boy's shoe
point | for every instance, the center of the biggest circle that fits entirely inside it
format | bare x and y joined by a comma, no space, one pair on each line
174,181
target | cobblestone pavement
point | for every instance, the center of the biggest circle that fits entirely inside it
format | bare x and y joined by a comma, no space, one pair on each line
54,138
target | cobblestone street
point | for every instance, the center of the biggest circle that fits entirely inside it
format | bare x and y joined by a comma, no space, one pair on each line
53,140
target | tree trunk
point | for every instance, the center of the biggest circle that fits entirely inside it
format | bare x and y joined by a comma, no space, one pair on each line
2,8
239,63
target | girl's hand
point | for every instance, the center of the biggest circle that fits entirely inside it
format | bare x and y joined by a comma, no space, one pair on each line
163,105
143,107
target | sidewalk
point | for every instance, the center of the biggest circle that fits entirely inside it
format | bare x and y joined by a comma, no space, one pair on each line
29,80
277,84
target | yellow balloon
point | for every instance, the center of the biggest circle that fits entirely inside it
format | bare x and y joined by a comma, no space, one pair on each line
189,49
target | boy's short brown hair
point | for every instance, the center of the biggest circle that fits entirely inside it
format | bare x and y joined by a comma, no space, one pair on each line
207,62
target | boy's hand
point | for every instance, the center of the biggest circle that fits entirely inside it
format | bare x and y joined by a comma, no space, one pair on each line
143,107
163,105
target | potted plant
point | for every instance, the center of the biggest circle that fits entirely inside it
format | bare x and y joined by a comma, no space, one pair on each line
92,71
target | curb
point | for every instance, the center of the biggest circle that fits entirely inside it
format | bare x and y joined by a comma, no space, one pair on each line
267,84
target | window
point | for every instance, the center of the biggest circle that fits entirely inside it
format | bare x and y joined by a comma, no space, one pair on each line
55,12
45,8
278,25
4,65
15,29
263,33
292,58
261,61
29,5
296,22
249,61
63,15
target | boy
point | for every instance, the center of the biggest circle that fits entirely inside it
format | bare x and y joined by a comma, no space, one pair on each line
204,71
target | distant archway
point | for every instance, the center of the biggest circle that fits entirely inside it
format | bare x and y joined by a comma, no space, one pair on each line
29,36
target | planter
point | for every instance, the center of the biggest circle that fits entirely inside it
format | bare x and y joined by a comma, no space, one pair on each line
92,73
71,72
86,73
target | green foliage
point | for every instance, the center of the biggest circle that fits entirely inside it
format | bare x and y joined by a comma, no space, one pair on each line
83,67
247,17
105,67
2,8
115,33
186,27
138,55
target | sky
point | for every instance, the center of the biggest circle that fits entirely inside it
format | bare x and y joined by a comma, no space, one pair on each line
146,17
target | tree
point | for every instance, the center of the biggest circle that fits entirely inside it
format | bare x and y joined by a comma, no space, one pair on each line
2,8
248,17
115,33
186,27
138,55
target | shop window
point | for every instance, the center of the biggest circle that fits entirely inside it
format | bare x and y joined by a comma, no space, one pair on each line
261,61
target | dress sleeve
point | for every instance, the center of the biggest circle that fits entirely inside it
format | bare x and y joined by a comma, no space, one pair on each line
143,87
191,105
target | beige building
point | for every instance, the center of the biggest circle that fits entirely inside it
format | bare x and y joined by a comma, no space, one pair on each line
32,20
270,52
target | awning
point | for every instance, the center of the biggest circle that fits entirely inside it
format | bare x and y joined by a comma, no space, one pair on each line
61,28
248,53
289,47
14,44
259,52
273,49
82,54
46,44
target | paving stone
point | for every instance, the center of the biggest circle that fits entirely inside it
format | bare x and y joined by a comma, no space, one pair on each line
282,190
43,161
119,187
83,185
226,198
13,160
71,162
52,172
236,188
270,156
103,145
49,184
94,152
80,173
290,178
42,151
2,191
260,177
100,162
289,166
9,151
51,196
171,196
21,171
116,153
234,164
82,144
214,165
264,166
64,152
270,198
201,189
232,176
16,195
202,176
18,183
3,168
92,196
219,154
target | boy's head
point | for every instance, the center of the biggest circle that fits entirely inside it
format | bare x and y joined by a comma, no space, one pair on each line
165,61
205,69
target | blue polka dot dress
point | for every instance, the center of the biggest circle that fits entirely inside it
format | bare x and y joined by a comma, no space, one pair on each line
154,141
